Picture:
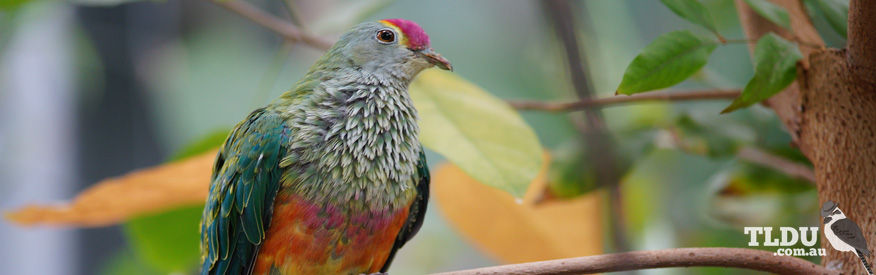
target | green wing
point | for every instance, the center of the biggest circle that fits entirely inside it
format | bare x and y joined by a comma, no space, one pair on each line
243,186
417,212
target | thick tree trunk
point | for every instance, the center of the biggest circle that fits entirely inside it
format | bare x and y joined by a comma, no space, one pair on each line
830,112
839,125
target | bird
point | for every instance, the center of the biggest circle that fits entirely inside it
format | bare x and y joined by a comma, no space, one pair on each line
330,177
844,234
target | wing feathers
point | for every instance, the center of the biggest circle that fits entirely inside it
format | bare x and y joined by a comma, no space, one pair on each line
417,212
245,180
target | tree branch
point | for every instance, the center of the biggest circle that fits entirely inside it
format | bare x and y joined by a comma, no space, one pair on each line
603,155
281,27
677,257
793,169
862,38
613,100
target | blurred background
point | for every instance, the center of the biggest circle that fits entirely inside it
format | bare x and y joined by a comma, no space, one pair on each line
91,89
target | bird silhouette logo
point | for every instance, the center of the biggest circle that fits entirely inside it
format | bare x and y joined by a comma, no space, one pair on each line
843,233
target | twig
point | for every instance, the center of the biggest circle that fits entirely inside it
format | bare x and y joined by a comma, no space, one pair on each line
273,23
793,169
606,101
678,257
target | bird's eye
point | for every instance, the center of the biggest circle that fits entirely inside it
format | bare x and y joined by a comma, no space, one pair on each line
386,36
837,212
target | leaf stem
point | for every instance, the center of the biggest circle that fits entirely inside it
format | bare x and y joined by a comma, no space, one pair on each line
721,38
738,41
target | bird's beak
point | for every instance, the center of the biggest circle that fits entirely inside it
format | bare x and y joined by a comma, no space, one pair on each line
827,220
436,59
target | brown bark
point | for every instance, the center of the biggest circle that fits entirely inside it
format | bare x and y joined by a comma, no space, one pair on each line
830,112
862,41
839,125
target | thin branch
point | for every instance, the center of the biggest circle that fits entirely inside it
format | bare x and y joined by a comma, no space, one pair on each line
604,154
678,257
287,30
791,168
613,100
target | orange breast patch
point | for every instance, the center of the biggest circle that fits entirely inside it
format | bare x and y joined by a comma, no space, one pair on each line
308,238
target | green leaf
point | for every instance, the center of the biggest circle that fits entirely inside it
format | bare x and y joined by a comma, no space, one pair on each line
11,5
837,14
479,133
771,12
126,262
168,241
775,62
693,11
212,140
669,60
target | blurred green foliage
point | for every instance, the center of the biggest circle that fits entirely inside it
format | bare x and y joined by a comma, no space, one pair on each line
206,143
702,139
11,5
168,241
837,14
127,262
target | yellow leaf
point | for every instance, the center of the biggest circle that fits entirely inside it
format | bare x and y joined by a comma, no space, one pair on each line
515,231
115,200
476,131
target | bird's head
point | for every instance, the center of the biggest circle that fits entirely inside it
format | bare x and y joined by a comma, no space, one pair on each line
831,212
397,46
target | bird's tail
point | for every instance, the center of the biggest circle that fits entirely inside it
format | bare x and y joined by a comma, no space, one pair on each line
864,261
